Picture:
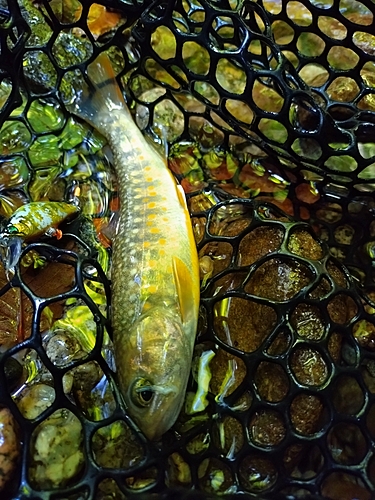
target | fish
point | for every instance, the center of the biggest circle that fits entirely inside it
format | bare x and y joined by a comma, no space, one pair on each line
155,270
29,223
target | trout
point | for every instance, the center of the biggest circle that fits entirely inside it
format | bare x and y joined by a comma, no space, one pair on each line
155,271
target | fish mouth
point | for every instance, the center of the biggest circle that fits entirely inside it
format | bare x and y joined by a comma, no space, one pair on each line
156,428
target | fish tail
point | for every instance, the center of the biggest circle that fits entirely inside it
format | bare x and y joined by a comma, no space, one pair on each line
102,96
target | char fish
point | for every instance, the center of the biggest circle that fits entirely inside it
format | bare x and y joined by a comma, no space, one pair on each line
155,272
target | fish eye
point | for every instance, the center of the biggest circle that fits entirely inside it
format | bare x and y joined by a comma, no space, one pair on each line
12,230
142,392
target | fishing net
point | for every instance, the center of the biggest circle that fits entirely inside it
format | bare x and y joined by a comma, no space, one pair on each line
268,110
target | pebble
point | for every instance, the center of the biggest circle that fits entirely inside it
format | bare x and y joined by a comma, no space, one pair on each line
56,455
9,446
35,399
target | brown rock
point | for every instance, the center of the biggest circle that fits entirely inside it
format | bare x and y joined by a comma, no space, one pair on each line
9,446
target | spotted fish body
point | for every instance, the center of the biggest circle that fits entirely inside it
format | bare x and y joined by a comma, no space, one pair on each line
155,274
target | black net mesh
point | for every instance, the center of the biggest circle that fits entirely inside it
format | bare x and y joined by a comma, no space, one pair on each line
268,99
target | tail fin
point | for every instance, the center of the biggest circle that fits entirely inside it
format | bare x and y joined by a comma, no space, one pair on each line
104,96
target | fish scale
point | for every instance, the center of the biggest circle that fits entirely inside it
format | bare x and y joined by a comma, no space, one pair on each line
141,240
155,272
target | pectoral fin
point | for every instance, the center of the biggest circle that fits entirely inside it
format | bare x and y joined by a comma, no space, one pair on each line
181,196
187,301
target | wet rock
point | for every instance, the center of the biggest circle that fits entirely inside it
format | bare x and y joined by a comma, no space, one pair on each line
9,446
215,476
35,400
92,391
62,348
178,471
266,308
56,454
229,436
114,446
13,373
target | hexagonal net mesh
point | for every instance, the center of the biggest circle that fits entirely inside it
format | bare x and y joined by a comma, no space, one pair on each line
269,99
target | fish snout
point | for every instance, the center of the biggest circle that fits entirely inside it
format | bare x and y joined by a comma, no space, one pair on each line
162,416
157,410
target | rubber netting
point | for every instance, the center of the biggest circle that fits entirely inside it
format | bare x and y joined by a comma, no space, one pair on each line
287,306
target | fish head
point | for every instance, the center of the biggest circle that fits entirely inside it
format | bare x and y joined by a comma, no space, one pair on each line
155,371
